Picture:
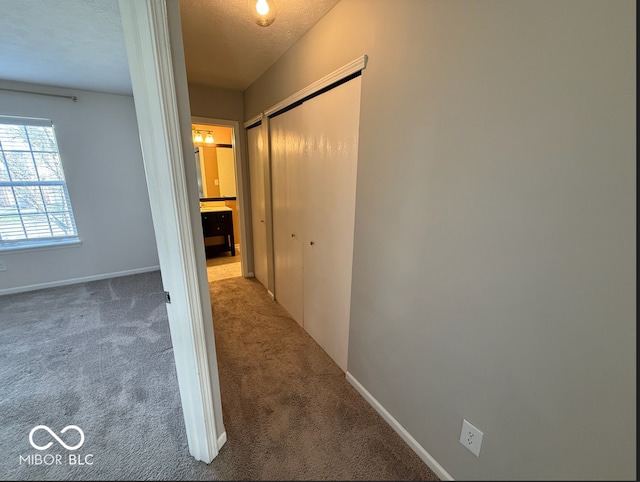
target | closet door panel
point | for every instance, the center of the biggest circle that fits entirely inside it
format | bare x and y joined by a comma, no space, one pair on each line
331,123
256,180
287,147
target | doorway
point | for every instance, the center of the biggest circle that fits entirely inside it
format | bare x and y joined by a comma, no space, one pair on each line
218,167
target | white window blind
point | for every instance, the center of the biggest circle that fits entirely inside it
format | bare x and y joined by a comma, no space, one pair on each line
35,209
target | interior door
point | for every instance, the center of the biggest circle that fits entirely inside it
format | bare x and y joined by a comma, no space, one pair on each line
287,148
329,165
256,177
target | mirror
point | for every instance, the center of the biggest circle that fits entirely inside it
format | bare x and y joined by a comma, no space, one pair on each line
215,162
199,173
216,172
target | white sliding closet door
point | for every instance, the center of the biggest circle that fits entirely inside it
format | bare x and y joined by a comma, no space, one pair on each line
329,164
314,152
258,221
287,149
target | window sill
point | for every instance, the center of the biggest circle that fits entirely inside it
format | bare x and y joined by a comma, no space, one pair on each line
40,247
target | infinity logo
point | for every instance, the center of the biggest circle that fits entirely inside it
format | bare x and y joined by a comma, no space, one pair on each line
45,447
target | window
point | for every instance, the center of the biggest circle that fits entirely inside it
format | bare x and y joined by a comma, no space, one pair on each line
34,203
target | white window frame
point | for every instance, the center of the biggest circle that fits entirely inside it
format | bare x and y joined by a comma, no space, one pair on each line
38,242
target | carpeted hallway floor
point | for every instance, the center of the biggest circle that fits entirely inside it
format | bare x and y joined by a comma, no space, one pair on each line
98,355
289,412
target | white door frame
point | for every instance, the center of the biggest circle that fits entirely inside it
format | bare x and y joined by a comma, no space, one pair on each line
153,38
261,122
241,197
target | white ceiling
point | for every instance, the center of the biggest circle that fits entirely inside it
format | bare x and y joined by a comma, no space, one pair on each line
66,43
225,48
79,43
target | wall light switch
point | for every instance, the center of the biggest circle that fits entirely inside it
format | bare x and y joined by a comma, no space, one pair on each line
216,182
3,265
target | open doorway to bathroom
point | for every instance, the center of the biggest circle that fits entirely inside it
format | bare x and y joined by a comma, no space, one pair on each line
216,159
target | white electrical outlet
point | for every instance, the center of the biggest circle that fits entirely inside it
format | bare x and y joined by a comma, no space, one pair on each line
3,265
471,438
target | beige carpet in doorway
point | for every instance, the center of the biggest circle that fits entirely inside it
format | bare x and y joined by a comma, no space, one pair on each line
223,267
288,410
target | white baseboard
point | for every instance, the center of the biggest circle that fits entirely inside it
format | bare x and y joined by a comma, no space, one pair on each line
406,436
84,279
271,295
222,439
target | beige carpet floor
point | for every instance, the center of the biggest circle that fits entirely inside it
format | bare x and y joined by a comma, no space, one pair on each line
288,410
223,266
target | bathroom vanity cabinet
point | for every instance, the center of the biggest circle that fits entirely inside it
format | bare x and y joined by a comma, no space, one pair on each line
217,222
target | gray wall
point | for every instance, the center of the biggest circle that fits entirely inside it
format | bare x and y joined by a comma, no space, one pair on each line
208,101
101,156
494,257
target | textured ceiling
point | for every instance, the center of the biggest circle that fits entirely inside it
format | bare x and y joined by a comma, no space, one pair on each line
79,43
225,48
65,43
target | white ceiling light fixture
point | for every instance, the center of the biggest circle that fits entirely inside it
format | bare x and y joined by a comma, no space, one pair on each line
197,137
263,12
209,138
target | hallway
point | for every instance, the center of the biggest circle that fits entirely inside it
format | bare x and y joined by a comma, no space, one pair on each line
288,410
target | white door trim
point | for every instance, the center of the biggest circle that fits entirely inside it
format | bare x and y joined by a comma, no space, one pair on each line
157,88
343,72
356,65
268,205
242,198
254,121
